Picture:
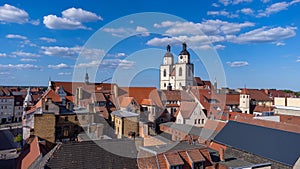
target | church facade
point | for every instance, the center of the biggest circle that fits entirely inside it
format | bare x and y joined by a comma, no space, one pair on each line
178,75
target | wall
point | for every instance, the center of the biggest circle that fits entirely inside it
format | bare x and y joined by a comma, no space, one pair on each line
131,124
44,127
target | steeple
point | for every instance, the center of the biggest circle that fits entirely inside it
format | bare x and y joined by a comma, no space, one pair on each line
244,91
49,84
28,99
86,79
184,55
168,57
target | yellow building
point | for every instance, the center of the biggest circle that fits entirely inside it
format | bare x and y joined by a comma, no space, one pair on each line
125,123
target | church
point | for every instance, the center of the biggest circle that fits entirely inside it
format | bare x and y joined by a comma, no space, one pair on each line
179,75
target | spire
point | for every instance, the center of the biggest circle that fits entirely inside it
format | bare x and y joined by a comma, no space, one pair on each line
184,46
86,79
244,91
28,98
168,48
49,84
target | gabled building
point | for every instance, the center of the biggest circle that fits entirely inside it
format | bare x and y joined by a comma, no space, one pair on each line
190,113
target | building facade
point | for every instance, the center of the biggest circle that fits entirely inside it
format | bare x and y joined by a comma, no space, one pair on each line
178,75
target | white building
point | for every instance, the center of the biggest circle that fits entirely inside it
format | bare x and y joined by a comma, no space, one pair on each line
190,113
244,101
287,106
176,76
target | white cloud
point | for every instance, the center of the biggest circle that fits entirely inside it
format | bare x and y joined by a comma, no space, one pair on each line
142,30
276,7
93,63
3,55
233,2
247,11
59,66
221,47
61,51
238,63
25,54
122,32
71,19
28,60
80,15
120,54
92,54
208,27
280,44
265,1
264,35
15,36
215,5
13,14
47,39
108,64
222,13
5,73
54,22
19,66
64,73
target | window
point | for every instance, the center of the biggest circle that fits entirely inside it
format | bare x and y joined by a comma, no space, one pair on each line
165,84
66,131
202,121
165,73
198,165
83,117
46,107
198,121
76,118
180,71
66,118
195,121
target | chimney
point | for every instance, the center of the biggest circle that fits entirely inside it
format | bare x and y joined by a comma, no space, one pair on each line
267,91
221,153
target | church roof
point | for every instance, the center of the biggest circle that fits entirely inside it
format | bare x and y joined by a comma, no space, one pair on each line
184,50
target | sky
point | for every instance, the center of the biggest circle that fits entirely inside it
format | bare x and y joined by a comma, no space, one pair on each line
238,42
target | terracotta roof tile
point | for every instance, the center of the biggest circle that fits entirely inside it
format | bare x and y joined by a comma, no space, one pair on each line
173,159
195,155
187,108
258,95
29,155
232,99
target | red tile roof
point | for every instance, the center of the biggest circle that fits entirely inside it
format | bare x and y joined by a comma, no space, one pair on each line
258,95
51,94
173,159
195,155
232,99
141,93
29,155
187,108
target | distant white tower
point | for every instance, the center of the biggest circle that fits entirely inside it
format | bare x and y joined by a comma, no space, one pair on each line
176,75
244,101
166,70
184,69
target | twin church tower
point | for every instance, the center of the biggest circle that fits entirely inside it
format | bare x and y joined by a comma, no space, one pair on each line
178,75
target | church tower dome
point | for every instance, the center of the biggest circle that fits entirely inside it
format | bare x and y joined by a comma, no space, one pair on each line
168,57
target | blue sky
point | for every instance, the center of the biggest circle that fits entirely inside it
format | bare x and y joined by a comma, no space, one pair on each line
257,42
